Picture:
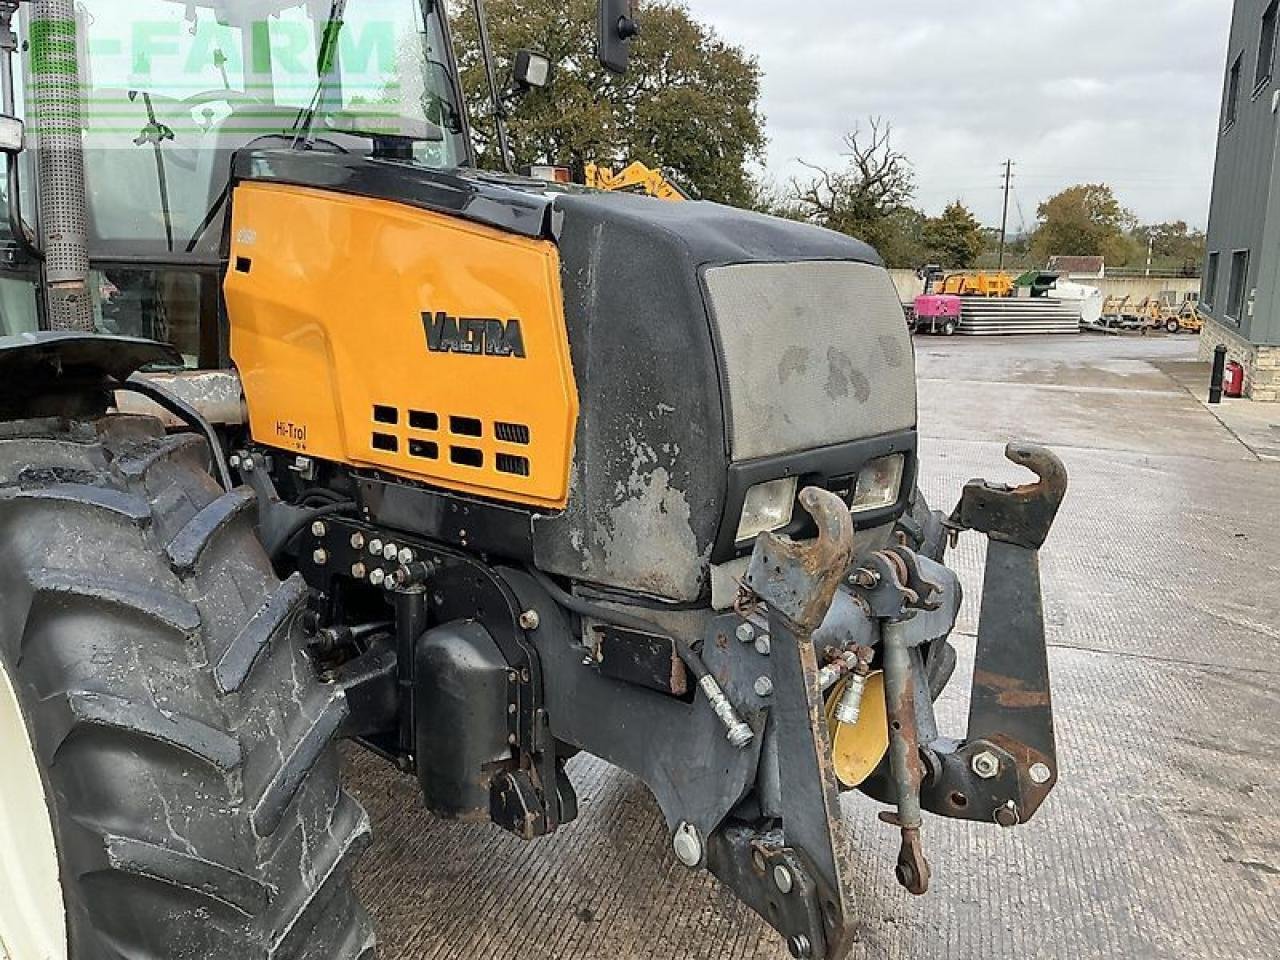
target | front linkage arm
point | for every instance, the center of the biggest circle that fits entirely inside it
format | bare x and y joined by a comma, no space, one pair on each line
1008,763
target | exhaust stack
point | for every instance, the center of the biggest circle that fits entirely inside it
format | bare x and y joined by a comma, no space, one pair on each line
57,109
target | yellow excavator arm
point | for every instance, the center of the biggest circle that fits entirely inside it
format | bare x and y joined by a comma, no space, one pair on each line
635,178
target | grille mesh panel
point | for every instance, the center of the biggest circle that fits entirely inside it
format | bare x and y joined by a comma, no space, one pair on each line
815,354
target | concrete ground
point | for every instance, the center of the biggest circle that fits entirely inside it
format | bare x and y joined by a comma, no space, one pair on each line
1162,839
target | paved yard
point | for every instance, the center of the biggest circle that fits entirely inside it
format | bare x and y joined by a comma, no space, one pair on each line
1163,837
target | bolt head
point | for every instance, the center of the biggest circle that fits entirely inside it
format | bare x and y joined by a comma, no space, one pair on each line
687,845
247,465
985,764
865,577
390,552
745,632
375,548
1007,816
358,571
530,620
783,879
406,556
235,461
1040,773
318,529
764,644
321,557
357,541
764,687
377,577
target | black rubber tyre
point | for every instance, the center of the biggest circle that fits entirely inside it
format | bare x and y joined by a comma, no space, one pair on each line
949,328
185,741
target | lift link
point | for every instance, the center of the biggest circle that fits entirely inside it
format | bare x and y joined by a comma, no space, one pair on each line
891,585
1007,765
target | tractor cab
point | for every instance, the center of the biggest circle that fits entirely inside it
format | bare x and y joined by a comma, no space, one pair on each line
170,91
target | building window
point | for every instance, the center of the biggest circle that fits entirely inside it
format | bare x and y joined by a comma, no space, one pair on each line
1210,280
1266,47
1232,109
1239,278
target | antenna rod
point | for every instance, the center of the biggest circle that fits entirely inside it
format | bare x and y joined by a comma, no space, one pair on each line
499,111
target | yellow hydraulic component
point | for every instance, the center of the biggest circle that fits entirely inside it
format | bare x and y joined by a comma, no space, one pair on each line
380,335
636,178
857,749
978,285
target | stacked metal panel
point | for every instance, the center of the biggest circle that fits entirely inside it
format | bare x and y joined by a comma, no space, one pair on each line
994,316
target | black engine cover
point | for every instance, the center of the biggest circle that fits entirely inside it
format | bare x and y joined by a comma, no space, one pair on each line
652,464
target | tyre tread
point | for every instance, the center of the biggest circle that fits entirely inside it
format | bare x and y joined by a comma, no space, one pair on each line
255,772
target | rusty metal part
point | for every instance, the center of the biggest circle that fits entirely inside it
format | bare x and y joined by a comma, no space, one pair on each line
905,764
1021,515
891,586
928,593
831,674
798,579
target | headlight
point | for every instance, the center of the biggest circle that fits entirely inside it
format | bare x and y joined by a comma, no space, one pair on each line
768,507
879,484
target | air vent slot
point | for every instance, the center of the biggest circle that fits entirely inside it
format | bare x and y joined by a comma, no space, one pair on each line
466,456
466,427
386,443
422,420
512,433
519,466
424,449
382,414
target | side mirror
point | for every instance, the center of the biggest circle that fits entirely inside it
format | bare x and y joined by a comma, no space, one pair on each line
617,29
530,70
12,135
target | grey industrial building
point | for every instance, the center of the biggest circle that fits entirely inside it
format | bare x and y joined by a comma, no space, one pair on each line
1241,288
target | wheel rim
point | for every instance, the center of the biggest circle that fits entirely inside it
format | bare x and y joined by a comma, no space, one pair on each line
32,917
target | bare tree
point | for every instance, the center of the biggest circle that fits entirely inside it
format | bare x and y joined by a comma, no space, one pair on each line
876,182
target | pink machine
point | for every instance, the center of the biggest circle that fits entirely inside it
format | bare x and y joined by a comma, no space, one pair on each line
938,313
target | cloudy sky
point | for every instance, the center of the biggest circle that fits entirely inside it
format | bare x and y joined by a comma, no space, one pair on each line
1121,91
